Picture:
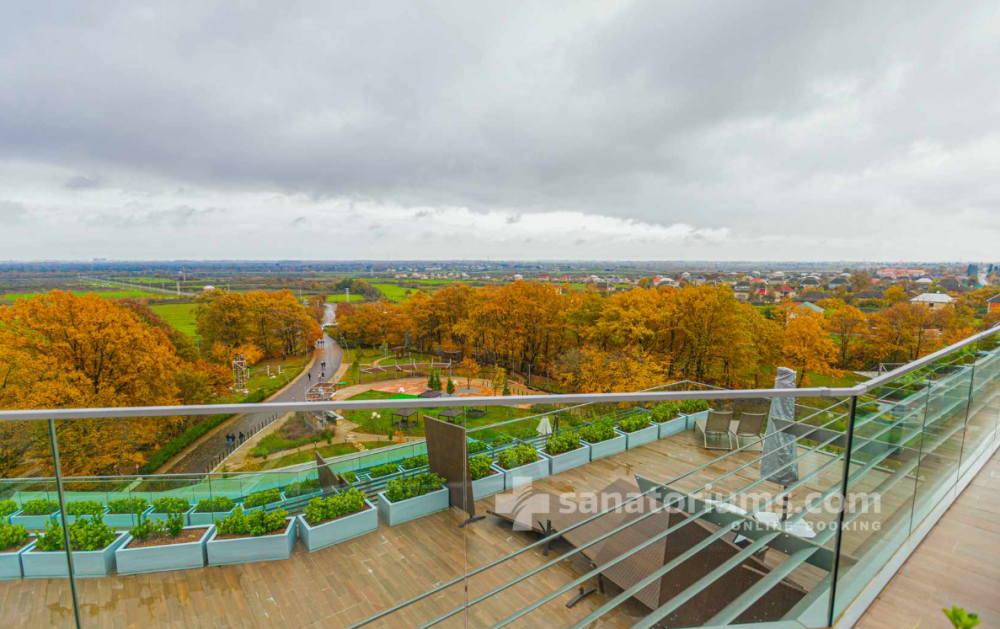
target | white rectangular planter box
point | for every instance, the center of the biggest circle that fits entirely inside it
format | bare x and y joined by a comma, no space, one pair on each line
339,530
393,513
488,485
222,552
672,426
641,437
7,518
162,558
568,460
33,521
125,520
86,563
607,447
73,518
10,562
152,515
209,517
526,473
693,417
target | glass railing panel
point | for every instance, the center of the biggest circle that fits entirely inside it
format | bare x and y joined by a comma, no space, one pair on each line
985,401
32,532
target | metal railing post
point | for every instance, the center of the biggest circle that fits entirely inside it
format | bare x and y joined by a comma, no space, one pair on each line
835,574
65,528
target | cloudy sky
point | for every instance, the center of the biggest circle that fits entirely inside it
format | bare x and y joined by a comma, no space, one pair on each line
576,129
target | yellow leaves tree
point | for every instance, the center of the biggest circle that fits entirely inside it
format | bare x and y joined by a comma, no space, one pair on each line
609,371
849,327
807,348
274,322
89,351
468,369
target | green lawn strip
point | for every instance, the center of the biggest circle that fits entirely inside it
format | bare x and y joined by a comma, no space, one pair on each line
369,424
110,294
327,452
179,316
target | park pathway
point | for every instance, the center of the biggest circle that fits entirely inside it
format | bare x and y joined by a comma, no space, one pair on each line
211,446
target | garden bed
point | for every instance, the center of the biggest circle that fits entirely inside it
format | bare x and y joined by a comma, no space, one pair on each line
559,463
338,530
393,513
86,563
234,549
10,560
160,554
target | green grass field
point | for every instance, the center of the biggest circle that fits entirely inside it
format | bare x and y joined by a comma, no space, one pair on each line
380,425
341,297
394,292
110,294
180,316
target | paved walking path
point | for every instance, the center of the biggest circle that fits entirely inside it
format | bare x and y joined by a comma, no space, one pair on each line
199,456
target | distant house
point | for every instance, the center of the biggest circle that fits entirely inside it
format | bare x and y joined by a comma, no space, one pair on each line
810,282
934,301
604,287
742,289
869,294
815,295
994,304
837,282
784,292
803,306
543,278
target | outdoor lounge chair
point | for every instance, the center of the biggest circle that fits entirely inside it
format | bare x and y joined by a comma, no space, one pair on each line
716,425
751,426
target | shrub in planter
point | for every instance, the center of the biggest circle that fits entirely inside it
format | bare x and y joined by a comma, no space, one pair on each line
522,464
208,510
638,429
164,507
35,513
566,452
602,439
497,439
414,462
253,524
253,536
350,477
401,489
409,498
665,412
93,544
13,541
302,488
80,508
133,506
335,519
261,498
486,481
162,545
690,407
475,447
7,509
383,470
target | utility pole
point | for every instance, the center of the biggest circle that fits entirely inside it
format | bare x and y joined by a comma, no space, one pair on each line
348,291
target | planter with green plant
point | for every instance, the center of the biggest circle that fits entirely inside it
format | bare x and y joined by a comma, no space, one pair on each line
338,518
412,497
522,464
83,508
124,513
486,478
35,514
7,509
163,508
263,500
475,446
694,410
14,540
565,452
385,472
667,416
603,439
161,546
256,536
210,510
93,544
638,430
414,462
302,489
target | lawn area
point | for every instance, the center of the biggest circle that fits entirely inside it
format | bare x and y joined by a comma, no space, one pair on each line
306,456
270,384
380,425
364,355
110,294
415,357
394,292
341,297
180,316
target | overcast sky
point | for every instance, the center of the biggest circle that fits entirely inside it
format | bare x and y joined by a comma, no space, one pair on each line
656,130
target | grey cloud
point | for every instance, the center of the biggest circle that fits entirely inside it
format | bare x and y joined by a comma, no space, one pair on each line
12,212
783,117
81,182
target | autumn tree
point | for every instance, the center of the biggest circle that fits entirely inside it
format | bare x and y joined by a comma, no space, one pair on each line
469,369
609,371
848,326
807,348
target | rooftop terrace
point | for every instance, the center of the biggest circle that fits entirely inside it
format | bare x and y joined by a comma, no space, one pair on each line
700,535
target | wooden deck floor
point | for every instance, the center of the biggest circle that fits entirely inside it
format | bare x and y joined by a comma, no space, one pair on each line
958,563
343,584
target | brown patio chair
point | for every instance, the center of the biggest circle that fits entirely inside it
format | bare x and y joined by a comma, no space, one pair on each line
751,426
716,425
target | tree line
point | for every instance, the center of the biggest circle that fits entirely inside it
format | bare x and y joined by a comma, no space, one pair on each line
647,336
